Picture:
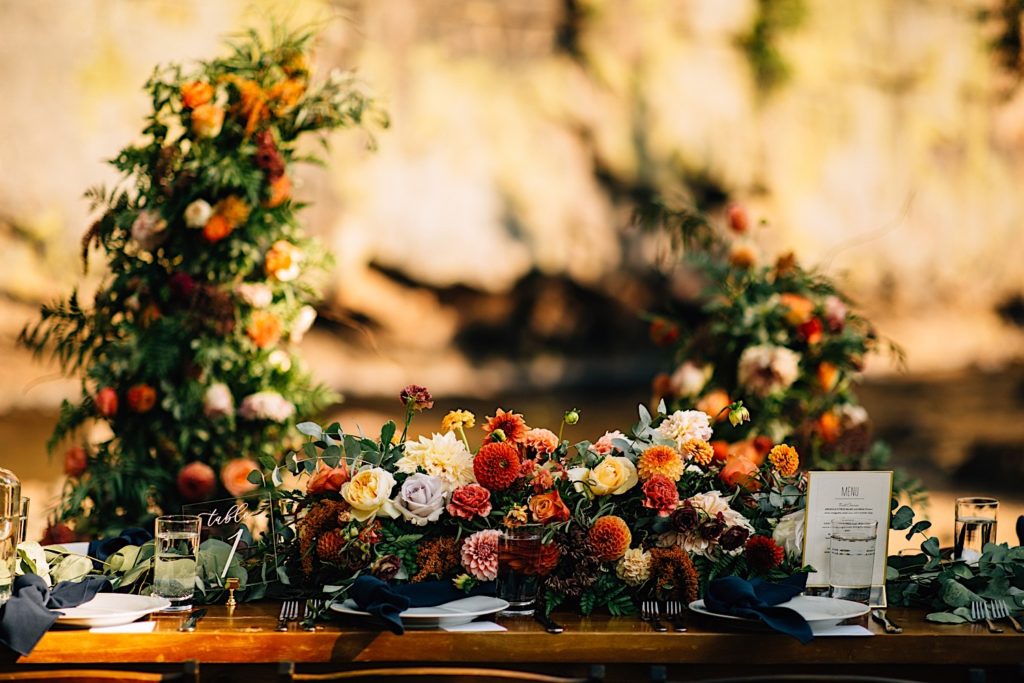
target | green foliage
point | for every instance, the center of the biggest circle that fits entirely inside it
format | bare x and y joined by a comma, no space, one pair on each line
773,19
169,314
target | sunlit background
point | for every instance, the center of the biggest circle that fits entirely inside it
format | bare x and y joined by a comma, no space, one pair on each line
485,248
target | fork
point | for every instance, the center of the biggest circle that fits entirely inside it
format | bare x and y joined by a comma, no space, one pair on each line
979,611
289,612
1000,610
649,613
310,615
674,611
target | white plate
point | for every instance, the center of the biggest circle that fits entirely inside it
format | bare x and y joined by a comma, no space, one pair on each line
820,612
111,609
453,613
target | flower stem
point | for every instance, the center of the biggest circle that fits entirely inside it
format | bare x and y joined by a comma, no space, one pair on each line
462,433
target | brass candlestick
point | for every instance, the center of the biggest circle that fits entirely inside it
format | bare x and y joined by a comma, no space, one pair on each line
232,585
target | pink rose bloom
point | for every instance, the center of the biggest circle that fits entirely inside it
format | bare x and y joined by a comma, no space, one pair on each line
835,313
480,554
542,441
235,476
604,445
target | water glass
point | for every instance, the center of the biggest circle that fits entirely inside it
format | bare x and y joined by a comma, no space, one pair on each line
518,556
975,526
851,556
174,560
23,536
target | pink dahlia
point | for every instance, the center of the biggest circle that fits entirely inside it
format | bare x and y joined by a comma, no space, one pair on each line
542,441
480,554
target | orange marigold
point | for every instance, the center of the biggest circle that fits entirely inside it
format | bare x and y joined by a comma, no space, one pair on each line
511,424
698,451
609,538
234,210
264,329
497,465
784,459
660,460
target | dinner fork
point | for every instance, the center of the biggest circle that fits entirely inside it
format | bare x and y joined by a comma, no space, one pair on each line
289,612
1000,610
649,613
979,611
674,612
309,616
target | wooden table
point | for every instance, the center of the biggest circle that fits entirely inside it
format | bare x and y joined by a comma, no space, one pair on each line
243,645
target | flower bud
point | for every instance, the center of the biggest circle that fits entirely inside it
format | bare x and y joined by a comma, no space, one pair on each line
571,417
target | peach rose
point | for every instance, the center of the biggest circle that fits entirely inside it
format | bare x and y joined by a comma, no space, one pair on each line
714,403
235,476
264,329
327,479
740,471
548,507
196,94
799,309
207,120
196,481
369,492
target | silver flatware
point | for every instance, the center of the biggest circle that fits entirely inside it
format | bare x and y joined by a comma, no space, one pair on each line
674,612
310,615
649,613
192,620
882,618
1000,610
549,624
289,612
979,612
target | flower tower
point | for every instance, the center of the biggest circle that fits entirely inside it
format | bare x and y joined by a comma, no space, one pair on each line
187,349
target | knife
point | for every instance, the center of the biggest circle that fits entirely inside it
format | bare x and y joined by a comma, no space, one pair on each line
548,623
189,624
880,616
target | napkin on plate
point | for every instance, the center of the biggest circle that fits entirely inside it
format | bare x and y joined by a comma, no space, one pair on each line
759,599
101,549
29,613
387,602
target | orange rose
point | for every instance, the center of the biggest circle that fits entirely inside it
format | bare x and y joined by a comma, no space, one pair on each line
327,479
141,398
740,471
235,476
714,403
828,376
196,94
828,426
799,309
548,507
207,120
217,228
264,329
721,451
280,191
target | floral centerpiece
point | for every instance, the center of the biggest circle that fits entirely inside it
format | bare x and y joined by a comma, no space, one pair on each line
186,351
650,512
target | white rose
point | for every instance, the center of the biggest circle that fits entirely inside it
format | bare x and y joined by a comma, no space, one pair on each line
255,294
421,499
217,401
197,213
149,230
368,492
789,533
303,321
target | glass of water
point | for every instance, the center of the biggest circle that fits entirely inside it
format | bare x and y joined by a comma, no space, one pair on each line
975,526
24,519
174,561
518,555
851,556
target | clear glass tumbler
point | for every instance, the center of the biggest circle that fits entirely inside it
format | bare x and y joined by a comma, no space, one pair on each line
851,556
174,560
975,525
518,555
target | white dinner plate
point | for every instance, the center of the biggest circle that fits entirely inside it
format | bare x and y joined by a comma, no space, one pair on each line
820,612
453,613
111,609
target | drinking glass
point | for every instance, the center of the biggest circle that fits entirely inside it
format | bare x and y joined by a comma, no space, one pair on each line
975,526
174,562
518,555
851,556
24,520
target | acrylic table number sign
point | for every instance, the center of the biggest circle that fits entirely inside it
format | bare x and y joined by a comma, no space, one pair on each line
245,529
847,500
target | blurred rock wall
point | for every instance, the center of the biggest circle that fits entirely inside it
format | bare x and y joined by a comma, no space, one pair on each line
485,244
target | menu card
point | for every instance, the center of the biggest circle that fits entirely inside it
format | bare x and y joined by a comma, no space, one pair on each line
834,495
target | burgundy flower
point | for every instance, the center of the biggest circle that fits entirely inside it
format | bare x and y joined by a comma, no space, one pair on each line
183,285
385,568
734,537
416,398
685,518
267,156
710,529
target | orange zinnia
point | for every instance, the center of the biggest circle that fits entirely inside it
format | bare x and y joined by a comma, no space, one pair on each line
264,329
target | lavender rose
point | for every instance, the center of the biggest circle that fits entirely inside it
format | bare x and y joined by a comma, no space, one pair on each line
421,499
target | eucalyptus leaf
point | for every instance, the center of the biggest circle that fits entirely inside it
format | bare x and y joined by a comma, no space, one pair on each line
945,618
310,429
71,568
956,594
902,518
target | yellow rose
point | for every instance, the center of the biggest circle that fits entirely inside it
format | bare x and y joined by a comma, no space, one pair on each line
614,475
368,493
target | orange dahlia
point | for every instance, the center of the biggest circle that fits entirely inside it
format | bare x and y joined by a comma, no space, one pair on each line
784,459
698,451
497,465
609,538
511,425
660,460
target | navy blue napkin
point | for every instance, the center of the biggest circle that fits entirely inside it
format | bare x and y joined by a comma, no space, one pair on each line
28,614
758,599
103,548
387,602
